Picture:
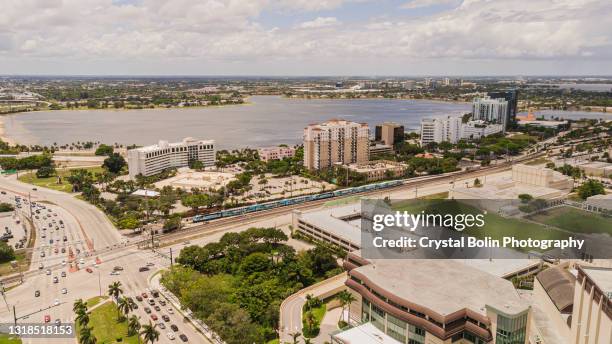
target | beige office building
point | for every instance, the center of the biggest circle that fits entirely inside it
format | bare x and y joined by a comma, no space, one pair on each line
336,141
592,308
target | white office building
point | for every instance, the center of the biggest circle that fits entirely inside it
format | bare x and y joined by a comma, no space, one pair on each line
474,130
440,129
490,110
153,159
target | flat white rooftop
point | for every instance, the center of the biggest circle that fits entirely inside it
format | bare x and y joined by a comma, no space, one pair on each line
601,276
444,286
365,334
331,221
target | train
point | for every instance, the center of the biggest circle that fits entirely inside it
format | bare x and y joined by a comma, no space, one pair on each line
294,200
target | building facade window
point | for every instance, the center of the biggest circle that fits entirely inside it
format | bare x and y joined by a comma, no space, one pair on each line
511,330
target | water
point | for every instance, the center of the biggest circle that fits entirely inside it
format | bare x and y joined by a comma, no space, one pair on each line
267,120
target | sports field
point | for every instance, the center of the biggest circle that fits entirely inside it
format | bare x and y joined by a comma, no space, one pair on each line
574,220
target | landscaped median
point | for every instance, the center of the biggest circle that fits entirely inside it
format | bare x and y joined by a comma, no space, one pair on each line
52,181
103,321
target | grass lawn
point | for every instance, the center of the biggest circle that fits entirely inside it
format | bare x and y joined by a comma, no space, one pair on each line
538,161
319,313
106,329
574,220
496,226
7,269
7,339
95,300
51,182
441,195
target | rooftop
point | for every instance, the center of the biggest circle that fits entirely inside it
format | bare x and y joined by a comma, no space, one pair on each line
601,276
444,286
364,334
165,144
331,221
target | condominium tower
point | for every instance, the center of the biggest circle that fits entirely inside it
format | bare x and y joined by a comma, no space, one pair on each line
490,110
335,141
440,129
153,159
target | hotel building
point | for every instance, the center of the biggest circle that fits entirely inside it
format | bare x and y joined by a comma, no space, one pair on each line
438,301
275,153
336,142
153,159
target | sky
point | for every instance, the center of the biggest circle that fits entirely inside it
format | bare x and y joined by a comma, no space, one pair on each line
306,37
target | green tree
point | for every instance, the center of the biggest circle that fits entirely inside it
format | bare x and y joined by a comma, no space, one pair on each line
345,298
525,198
4,207
104,150
172,223
129,221
86,336
133,325
45,172
115,290
195,201
149,333
114,163
82,318
6,252
124,305
590,188
78,306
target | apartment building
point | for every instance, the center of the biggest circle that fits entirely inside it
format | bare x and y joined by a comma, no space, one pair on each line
440,129
153,159
491,110
474,130
275,153
435,301
389,133
336,142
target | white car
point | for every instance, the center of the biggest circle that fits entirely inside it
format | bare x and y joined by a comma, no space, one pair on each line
56,302
170,311
63,263
48,272
64,291
82,261
170,335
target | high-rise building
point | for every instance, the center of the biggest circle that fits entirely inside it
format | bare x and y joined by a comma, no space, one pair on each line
153,159
511,96
446,82
336,141
389,133
490,110
440,129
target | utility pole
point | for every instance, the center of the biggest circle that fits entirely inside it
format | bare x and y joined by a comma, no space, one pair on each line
171,256
14,315
99,283
30,203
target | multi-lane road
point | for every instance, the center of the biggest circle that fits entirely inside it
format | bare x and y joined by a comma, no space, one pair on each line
98,247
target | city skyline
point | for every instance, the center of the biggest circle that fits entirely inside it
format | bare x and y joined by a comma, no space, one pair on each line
308,38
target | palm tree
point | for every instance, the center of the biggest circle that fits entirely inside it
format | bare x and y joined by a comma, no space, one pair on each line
149,333
82,318
134,326
307,341
345,298
114,290
310,320
296,336
124,305
86,336
79,306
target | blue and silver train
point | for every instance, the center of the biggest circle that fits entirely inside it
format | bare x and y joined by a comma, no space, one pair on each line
294,200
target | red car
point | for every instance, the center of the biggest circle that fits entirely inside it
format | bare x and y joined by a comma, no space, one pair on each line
47,318
89,270
144,295
154,317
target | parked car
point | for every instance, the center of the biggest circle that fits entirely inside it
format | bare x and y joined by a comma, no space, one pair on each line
174,328
183,338
154,317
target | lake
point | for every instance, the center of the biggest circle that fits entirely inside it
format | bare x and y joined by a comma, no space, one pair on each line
266,120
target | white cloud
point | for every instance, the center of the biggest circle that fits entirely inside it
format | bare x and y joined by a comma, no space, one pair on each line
319,22
427,3
170,32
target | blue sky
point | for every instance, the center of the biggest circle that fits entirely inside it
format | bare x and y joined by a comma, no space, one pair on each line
306,37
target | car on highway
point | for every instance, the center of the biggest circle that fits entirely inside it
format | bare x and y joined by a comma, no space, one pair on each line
151,302
41,266
55,279
147,310
161,325
89,270
48,272
154,317
63,274
58,322
157,308
64,291
143,269
47,318
37,293
166,318
183,337
144,295
162,302
118,268
114,273
170,310
139,298
170,336
174,328
56,302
